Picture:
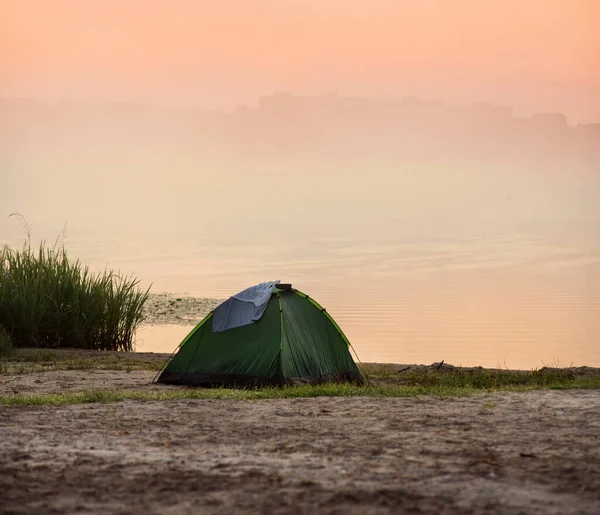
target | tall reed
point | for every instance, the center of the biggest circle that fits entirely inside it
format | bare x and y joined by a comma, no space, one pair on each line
47,300
6,345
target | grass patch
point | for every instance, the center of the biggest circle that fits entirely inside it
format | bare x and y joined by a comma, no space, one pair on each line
382,380
48,300
6,344
304,391
373,389
480,378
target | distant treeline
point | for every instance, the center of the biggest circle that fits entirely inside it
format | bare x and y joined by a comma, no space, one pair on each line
326,125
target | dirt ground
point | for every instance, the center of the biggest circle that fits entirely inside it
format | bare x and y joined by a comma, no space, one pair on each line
63,381
535,452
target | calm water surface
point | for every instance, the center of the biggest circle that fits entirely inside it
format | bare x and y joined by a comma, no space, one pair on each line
476,264
520,301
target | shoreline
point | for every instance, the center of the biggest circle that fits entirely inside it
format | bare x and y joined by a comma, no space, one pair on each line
28,354
169,308
43,372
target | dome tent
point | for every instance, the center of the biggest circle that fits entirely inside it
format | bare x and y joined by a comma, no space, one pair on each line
270,334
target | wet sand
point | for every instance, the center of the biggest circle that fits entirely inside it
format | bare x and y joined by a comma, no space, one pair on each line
165,308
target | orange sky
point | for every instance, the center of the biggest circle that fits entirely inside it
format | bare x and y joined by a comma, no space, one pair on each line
535,55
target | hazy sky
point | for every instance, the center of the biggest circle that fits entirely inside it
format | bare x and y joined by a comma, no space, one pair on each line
534,55
495,247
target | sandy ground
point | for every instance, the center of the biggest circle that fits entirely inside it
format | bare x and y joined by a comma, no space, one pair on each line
164,308
535,452
62,381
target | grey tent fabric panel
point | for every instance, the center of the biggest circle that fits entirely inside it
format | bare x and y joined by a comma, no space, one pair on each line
244,308
258,295
235,313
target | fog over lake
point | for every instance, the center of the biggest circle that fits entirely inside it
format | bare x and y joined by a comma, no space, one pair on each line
429,230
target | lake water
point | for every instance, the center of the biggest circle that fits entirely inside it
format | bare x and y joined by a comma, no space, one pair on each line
485,299
484,266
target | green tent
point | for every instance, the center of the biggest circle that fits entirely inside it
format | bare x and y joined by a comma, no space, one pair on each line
285,338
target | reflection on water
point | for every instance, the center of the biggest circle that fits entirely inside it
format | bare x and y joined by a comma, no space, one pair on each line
516,295
520,303
160,338
474,259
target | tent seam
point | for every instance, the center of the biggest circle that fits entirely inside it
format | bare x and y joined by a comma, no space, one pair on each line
281,333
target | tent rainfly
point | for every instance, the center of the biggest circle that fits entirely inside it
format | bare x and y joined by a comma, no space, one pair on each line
269,334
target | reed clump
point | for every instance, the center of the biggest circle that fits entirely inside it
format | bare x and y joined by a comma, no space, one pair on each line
6,345
50,301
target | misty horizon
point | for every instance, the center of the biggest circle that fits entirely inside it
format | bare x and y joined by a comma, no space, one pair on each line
255,104
216,55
